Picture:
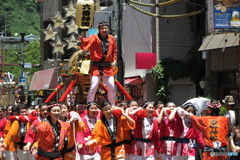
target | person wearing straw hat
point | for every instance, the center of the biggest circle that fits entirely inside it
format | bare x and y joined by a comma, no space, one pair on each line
231,115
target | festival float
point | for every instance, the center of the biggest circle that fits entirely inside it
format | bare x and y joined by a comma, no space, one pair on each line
75,79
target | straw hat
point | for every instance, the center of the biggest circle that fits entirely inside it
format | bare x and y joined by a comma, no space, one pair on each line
228,100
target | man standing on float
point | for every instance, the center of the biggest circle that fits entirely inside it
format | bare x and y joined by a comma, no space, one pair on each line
103,54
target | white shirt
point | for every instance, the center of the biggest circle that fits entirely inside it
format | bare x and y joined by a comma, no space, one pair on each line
231,118
110,122
147,127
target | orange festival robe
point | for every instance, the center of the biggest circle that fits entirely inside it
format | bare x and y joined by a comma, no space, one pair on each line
45,138
93,44
78,128
102,137
212,126
7,128
13,135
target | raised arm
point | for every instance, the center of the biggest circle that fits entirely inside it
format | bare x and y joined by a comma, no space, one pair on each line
129,120
131,111
160,117
232,146
172,115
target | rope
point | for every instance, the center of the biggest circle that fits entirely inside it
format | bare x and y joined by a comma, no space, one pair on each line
167,16
158,4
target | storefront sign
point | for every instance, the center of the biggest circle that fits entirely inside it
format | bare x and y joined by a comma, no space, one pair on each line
226,15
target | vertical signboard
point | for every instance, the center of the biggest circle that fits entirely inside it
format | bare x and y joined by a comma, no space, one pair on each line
225,16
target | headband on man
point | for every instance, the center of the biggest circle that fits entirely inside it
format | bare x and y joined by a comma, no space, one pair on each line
102,23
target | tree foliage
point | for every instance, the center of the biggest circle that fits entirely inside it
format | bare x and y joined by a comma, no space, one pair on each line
192,67
31,54
161,80
18,16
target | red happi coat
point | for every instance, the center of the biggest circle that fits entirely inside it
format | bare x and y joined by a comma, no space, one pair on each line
31,135
182,130
166,130
144,148
93,44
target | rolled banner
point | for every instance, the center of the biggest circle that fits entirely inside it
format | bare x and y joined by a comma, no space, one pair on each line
103,87
141,113
26,119
53,94
34,114
117,113
120,87
68,90
13,118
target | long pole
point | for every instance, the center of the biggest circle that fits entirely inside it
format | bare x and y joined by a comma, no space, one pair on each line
5,26
22,49
120,75
157,33
239,74
2,59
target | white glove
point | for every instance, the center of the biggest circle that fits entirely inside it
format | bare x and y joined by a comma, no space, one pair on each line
181,112
89,143
74,116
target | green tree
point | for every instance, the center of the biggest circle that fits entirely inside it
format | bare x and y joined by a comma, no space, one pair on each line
161,80
31,54
19,16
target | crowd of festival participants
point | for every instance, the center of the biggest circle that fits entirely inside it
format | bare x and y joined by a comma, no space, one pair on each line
125,131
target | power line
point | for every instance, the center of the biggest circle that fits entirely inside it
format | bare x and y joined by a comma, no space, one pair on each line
140,30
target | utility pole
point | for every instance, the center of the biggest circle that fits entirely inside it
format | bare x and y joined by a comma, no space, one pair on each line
5,26
22,78
22,49
2,55
2,58
157,33
120,62
238,72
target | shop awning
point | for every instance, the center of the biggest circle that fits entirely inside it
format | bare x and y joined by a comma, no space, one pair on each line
44,80
216,41
133,80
